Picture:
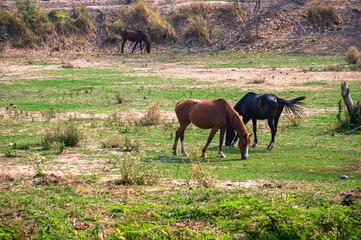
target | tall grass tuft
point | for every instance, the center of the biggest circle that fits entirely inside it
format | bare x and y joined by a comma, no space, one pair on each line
145,17
82,19
197,29
153,115
133,171
125,143
65,133
320,14
352,55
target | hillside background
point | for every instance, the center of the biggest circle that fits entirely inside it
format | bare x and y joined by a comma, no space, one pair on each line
294,25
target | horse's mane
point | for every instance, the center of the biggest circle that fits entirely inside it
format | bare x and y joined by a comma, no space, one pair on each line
240,102
235,119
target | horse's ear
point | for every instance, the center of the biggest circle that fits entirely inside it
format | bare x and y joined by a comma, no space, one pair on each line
250,135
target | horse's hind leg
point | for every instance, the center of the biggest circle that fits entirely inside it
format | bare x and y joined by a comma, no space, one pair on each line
254,123
180,134
273,132
211,135
124,41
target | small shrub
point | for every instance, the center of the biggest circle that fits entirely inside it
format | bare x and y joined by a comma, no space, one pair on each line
197,29
133,171
352,55
66,133
82,19
38,163
3,31
258,81
125,143
131,145
143,16
201,171
153,114
133,119
115,141
320,14
194,9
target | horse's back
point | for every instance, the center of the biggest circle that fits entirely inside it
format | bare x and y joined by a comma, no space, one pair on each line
202,113
134,35
258,106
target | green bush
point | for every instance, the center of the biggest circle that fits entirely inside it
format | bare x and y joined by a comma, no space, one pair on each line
65,133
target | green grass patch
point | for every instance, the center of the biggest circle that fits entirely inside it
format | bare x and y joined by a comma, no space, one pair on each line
91,190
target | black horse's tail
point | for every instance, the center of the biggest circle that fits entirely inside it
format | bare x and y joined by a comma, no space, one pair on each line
291,106
147,44
145,39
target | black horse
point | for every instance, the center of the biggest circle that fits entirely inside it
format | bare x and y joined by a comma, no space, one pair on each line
262,106
136,36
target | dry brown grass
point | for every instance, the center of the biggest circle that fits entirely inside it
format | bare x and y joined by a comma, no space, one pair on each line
145,17
352,55
153,115
320,14
198,30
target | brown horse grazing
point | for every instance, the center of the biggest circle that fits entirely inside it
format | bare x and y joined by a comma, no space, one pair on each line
217,114
136,36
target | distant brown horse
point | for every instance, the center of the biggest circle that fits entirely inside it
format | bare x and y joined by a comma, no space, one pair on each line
217,114
136,36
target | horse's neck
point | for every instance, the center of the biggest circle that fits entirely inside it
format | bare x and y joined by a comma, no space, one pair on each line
238,106
236,121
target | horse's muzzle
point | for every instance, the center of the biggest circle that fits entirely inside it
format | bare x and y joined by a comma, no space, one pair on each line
244,157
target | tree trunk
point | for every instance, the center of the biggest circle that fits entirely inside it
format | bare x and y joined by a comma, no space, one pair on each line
345,93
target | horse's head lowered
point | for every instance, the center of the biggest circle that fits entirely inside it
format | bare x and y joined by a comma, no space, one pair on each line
243,144
147,47
243,135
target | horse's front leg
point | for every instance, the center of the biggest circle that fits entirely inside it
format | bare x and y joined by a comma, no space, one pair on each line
141,47
211,135
221,136
273,132
134,46
180,134
124,41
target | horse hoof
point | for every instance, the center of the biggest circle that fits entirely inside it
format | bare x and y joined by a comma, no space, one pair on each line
232,146
175,154
185,155
204,156
223,156
270,148
254,145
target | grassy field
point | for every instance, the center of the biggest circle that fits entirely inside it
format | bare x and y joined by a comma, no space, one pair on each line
121,181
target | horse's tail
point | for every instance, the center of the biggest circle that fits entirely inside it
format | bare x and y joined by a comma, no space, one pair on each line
291,106
147,43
